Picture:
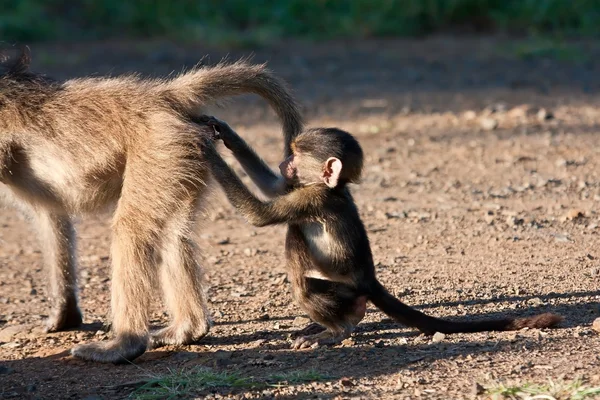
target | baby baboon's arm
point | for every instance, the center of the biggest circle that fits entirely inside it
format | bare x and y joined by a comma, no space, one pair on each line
270,183
294,207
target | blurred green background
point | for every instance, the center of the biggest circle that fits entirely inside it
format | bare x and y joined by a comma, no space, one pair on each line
258,21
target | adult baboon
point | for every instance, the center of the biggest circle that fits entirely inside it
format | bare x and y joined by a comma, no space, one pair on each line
84,145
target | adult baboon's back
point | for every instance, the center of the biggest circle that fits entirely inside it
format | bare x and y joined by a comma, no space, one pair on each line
88,144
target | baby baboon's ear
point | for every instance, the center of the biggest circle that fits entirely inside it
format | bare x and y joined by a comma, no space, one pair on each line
332,171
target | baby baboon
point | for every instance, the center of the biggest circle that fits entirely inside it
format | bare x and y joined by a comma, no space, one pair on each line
126,144
327,248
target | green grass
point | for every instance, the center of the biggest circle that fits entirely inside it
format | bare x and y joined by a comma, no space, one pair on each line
247,22
186,383
540,47
575,390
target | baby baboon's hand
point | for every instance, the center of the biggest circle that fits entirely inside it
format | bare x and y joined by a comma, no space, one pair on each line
222,130
210,122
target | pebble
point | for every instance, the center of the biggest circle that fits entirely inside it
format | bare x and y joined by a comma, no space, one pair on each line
224,241
511,220
301,321
248,252
544,115
347,382
488,124
596,325
470,115
572,215
478,389
438,337
489,217
536,301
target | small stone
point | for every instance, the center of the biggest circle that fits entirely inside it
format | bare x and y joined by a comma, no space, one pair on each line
488,124
301,321
596,325
346,382
561,162
348,342
511,220
536,302
250,252
469,115
224,241
478,390
489,217
438,337
264,317
544,115
572,215
519,111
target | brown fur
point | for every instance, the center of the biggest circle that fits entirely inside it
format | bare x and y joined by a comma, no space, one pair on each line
128,145
327,248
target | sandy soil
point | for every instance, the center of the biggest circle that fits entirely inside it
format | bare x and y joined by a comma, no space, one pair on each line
476,203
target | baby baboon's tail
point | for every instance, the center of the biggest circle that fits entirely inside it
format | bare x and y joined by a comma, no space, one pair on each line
206,85
406,315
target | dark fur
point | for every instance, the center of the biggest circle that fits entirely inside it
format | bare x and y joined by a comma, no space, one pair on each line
326,237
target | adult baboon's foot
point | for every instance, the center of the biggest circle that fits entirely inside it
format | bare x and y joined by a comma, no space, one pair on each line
121,350
63,318
178,335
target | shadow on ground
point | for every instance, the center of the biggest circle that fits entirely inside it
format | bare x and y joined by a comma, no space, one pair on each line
270,358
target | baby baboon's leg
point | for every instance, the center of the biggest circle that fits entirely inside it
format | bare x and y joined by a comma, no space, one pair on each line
182,282
57,237
336,306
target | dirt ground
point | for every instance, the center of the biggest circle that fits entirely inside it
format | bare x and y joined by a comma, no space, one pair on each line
480,195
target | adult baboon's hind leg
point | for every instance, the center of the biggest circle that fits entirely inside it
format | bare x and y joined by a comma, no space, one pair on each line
182,282
134,266
143,209
57,237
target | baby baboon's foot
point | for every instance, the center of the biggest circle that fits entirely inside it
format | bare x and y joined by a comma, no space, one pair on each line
177,335
311,329
62,318
117,351
320,339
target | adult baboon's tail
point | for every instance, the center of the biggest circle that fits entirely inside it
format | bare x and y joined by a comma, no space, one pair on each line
409,316
205,85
